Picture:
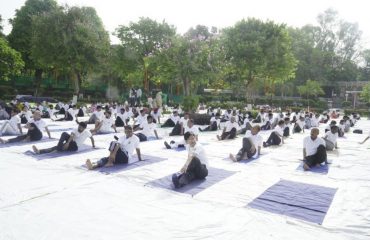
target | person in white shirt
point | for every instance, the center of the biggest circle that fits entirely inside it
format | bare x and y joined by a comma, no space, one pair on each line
331,138
121,151
69,142
229,131
34,130
286,127
190,127
105,125
140,119
276,136
314,152
97,116
341,128
299,125
171,122
148,129
196,165
252,143
214,123
315,120
178,129
120,118
328,127
268,123
156,114
12,126
69,115
25,115
246,126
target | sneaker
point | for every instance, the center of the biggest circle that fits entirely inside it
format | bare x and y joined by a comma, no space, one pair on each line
167,145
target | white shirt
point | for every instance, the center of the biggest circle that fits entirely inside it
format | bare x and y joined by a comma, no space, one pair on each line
246,120
148,129
129,144
193,129
174,118
198,151
230,125
311,146
141,119
107,124
40,124
184,121
99,115
73,112
27,115
279,130
300,123
81,137
331,137
14,121
257,141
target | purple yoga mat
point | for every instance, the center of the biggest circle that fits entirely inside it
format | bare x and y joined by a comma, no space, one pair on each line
323,169
298,200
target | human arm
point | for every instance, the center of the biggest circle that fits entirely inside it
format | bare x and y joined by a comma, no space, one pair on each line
47,131
20,128
114,128
138,154
66,145
92,141
187,163
304,153
156,134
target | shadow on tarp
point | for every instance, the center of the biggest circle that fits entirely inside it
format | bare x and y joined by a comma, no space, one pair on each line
61,129
52,155
215,175
146,160
19,144
298,200
322,169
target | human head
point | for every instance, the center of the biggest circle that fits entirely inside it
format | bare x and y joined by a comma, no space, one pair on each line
232,119
255,129
108,114
81,126
314,133
149,119
281,123
190,122
98,108
37,115
128,131
334,129
333,123
186,115
14,111
190,138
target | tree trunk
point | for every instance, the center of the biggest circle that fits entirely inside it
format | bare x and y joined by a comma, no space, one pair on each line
38,78
186,82
77,83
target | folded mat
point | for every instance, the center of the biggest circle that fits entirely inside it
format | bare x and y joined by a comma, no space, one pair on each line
298,200
215,175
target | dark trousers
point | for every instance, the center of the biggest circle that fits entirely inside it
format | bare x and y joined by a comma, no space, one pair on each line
211,127
168,123
247,127
273,139
35,134
121,156
297,129
176,130
257,120
119,122
72,147
142,137
23,119
245,151
62,111
340,133
286,132
317,158
196,170
267,126
66,118
80,113
92,119
229,135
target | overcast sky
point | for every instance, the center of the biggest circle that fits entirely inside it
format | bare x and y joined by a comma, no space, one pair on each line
219,13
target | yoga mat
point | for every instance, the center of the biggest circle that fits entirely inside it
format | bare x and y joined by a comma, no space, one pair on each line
298,200
323,169
215,175
44,139
51,155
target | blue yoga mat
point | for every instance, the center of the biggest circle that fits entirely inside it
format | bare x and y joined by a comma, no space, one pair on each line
323,169
298,200
146,160
59,154
215,175
44,139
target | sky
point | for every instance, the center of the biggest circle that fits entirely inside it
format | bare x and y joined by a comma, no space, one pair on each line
219,13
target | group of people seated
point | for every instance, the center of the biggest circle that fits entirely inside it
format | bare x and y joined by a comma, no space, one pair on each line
140,124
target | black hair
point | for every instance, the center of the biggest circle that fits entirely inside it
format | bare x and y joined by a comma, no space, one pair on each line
187,135
82,124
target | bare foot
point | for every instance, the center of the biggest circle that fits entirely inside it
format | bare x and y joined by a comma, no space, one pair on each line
89,164
219,138
109,164
306,167
34,148
232,157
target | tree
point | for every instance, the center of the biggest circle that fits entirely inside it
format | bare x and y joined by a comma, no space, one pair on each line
22,30
72,39
10,60
310,89
1,27
145,39
258,51
365,94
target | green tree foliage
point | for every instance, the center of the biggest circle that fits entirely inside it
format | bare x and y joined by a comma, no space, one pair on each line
258,50
11,62
310,89
365,94
72,39
142,41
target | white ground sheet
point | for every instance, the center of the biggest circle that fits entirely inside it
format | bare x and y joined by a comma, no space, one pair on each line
58,199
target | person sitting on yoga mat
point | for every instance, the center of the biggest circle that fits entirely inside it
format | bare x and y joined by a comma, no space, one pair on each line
121,151
156,114
148,129
120,118
252,143
341,128
299,125
190,127
178,129
196,165
105,125
286,127
140,119
171,122
331,138
214,123
314,152
267,124
12,126
96,116
69,115
277,135
25,115
246,126
229,131
34,130
69,142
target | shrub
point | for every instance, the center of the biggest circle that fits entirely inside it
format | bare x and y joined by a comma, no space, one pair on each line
190,103
346,104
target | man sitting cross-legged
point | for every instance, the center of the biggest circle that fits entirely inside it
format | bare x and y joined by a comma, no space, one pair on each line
69,142
229,131
277,135
105,125
121,151
252,143
314,151
148,129
12,126
196,165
